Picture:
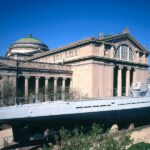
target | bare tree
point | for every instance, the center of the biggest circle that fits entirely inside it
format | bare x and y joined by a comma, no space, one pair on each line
8,92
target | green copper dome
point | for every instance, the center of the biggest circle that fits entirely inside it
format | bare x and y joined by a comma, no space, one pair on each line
27,45
29,39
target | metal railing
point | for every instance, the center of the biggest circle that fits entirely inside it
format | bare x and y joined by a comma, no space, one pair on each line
58,95
35,99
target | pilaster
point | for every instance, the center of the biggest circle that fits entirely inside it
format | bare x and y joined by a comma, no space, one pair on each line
112,52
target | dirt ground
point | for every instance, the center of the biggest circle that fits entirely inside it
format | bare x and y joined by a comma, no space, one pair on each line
141,135
7,135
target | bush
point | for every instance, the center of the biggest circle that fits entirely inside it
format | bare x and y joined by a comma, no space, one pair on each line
140,146
8,92
95,139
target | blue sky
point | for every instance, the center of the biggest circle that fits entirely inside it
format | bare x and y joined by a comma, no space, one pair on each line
59,22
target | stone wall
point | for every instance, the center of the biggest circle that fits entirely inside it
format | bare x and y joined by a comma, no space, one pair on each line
82,78
141,74
102,80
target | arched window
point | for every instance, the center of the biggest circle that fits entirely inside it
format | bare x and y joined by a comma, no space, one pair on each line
124,52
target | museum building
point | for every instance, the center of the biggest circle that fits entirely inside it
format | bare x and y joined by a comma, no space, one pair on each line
94,67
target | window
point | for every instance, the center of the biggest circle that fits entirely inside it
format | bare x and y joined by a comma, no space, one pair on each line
75,52
140,57
66,54
57,56
69,54
106,50
124,52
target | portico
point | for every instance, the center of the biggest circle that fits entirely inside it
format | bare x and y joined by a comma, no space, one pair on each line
123,77
49,81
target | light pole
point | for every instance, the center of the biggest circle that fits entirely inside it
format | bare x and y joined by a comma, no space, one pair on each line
17,74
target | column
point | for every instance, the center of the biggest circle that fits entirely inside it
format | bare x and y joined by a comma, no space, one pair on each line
128,81
37,86
46,88
63,88
55,87
119,84
71,84
112,52
26,86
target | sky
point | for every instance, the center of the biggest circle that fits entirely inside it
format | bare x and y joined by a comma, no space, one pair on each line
60,22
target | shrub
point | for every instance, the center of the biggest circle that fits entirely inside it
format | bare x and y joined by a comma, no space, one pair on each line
94,139
140,146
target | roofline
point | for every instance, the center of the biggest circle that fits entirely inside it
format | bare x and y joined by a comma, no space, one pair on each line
128,35
90,40
71,45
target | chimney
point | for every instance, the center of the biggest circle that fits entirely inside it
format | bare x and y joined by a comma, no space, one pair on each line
126,30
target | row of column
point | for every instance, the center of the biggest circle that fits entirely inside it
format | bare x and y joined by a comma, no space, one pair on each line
46,85
119,83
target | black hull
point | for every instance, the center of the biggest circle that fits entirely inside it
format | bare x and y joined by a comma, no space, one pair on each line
120,117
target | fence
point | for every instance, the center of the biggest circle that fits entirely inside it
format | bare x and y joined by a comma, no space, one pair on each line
69,94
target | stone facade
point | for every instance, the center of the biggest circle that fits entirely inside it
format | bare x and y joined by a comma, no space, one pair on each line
95,67
32,77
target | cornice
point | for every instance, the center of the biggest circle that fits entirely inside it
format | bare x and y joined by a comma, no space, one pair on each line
111,60
71,45
102,40
126,35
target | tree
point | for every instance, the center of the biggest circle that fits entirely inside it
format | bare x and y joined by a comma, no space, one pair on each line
8,92
148,80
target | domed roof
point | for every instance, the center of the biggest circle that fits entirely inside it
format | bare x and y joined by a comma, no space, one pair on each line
27,45
29,39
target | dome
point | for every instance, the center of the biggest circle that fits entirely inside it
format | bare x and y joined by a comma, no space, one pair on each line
29,39
26,46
